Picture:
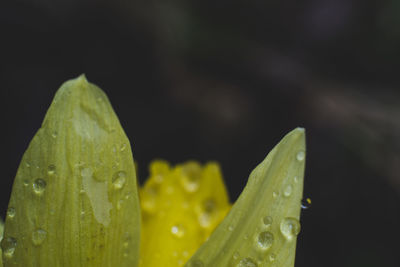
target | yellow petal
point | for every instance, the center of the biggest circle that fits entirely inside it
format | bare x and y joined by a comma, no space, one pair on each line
261,228
181,207
74,200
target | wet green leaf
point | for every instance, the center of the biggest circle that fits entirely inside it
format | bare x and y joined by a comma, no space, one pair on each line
74,200
262,227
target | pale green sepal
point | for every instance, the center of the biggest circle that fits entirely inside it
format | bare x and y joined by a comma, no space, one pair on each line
74,201
262,227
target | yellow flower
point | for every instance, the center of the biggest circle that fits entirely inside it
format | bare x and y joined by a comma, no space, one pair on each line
75,200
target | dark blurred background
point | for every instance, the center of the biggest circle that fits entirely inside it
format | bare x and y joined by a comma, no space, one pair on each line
225,80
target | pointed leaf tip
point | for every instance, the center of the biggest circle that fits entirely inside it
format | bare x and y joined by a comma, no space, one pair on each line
262,227
74,200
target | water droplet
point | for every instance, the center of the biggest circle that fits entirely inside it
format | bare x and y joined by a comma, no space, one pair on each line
274,194
27,164
39,185
230,228
26,182
290,228
267,220
236,255
306,203
119,179
178,230
51,169
38,237
265,240
8,246
204,220
54,134
209,205
296,179
272,257
97,192
195,263
191,175
288,191
122,147
300,155
10,213
247,262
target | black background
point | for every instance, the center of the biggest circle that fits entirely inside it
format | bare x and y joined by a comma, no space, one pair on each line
226,80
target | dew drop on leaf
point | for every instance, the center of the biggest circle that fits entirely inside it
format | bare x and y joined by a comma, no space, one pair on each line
300,155
51,169
10,213
8,246
265,240
39,185
267,220
290,228
288,191
119,179
38,236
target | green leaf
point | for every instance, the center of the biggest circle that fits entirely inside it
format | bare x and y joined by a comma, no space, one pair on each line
262,227
74,200
1,237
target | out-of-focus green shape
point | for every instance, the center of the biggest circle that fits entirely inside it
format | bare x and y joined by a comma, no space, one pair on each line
74,201
1,237
262,227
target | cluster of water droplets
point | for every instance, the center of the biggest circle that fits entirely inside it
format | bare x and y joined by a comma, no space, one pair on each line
38,187
9,244
264,240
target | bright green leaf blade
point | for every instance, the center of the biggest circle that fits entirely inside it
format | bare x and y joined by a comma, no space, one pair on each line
74,201
262,227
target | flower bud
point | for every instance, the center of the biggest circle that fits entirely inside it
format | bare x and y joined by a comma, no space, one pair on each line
74,200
